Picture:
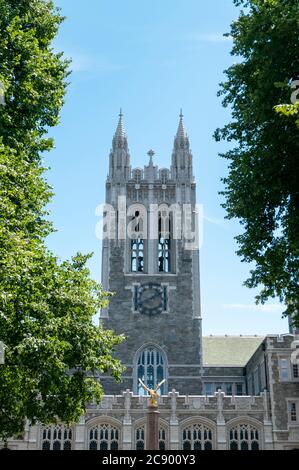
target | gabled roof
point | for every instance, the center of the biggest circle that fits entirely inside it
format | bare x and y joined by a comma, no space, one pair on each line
229,350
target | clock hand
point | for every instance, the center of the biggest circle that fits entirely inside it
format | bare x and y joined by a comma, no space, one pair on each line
152,297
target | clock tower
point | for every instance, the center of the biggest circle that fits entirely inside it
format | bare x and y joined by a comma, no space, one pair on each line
150,261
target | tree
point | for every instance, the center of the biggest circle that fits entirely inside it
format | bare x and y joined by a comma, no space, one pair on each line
53,351
32,74
262,187
291,110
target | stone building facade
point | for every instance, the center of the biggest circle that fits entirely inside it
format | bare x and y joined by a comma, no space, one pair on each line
155,275
220,392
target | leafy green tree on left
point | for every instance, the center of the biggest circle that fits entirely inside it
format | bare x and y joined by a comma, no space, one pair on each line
54,353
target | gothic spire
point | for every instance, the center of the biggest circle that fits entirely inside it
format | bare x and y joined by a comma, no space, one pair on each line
120,130
120,138
181,156
119,167
181,133
181,139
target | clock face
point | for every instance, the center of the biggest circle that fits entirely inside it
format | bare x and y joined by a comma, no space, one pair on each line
150,299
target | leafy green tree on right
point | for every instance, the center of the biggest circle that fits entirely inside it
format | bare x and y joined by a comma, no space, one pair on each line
262,187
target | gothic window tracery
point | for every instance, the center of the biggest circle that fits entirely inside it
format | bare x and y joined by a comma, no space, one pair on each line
104,436
150,369
58,437
162,438
244,437
140,437
197,437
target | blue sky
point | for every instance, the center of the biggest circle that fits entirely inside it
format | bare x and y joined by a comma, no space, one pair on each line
151,59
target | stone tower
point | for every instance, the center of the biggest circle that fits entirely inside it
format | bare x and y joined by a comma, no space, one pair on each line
151,263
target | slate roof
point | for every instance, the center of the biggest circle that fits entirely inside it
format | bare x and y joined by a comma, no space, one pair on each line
229,350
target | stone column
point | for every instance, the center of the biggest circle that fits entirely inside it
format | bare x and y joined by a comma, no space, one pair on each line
221,428
268,428
174,441
221,436
127,436
79,443
33,437
152,429
127,422
26,430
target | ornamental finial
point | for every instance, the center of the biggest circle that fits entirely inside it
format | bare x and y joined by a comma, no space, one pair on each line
120,130
151,153
181,132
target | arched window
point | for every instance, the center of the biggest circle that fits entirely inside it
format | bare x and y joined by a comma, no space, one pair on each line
140,438
137,227
137,255
162,438
103,437
150,369
244,437
164,242
197,437
57,437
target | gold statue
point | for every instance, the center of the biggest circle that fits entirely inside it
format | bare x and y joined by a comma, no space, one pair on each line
153,393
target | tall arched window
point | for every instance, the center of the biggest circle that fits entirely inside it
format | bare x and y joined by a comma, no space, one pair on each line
137,256
164,242
150,369
140,438
57,437
197,437
162,438
244,437
137,227
103,437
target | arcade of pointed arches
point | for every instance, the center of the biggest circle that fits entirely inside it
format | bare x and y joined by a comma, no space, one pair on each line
197,433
